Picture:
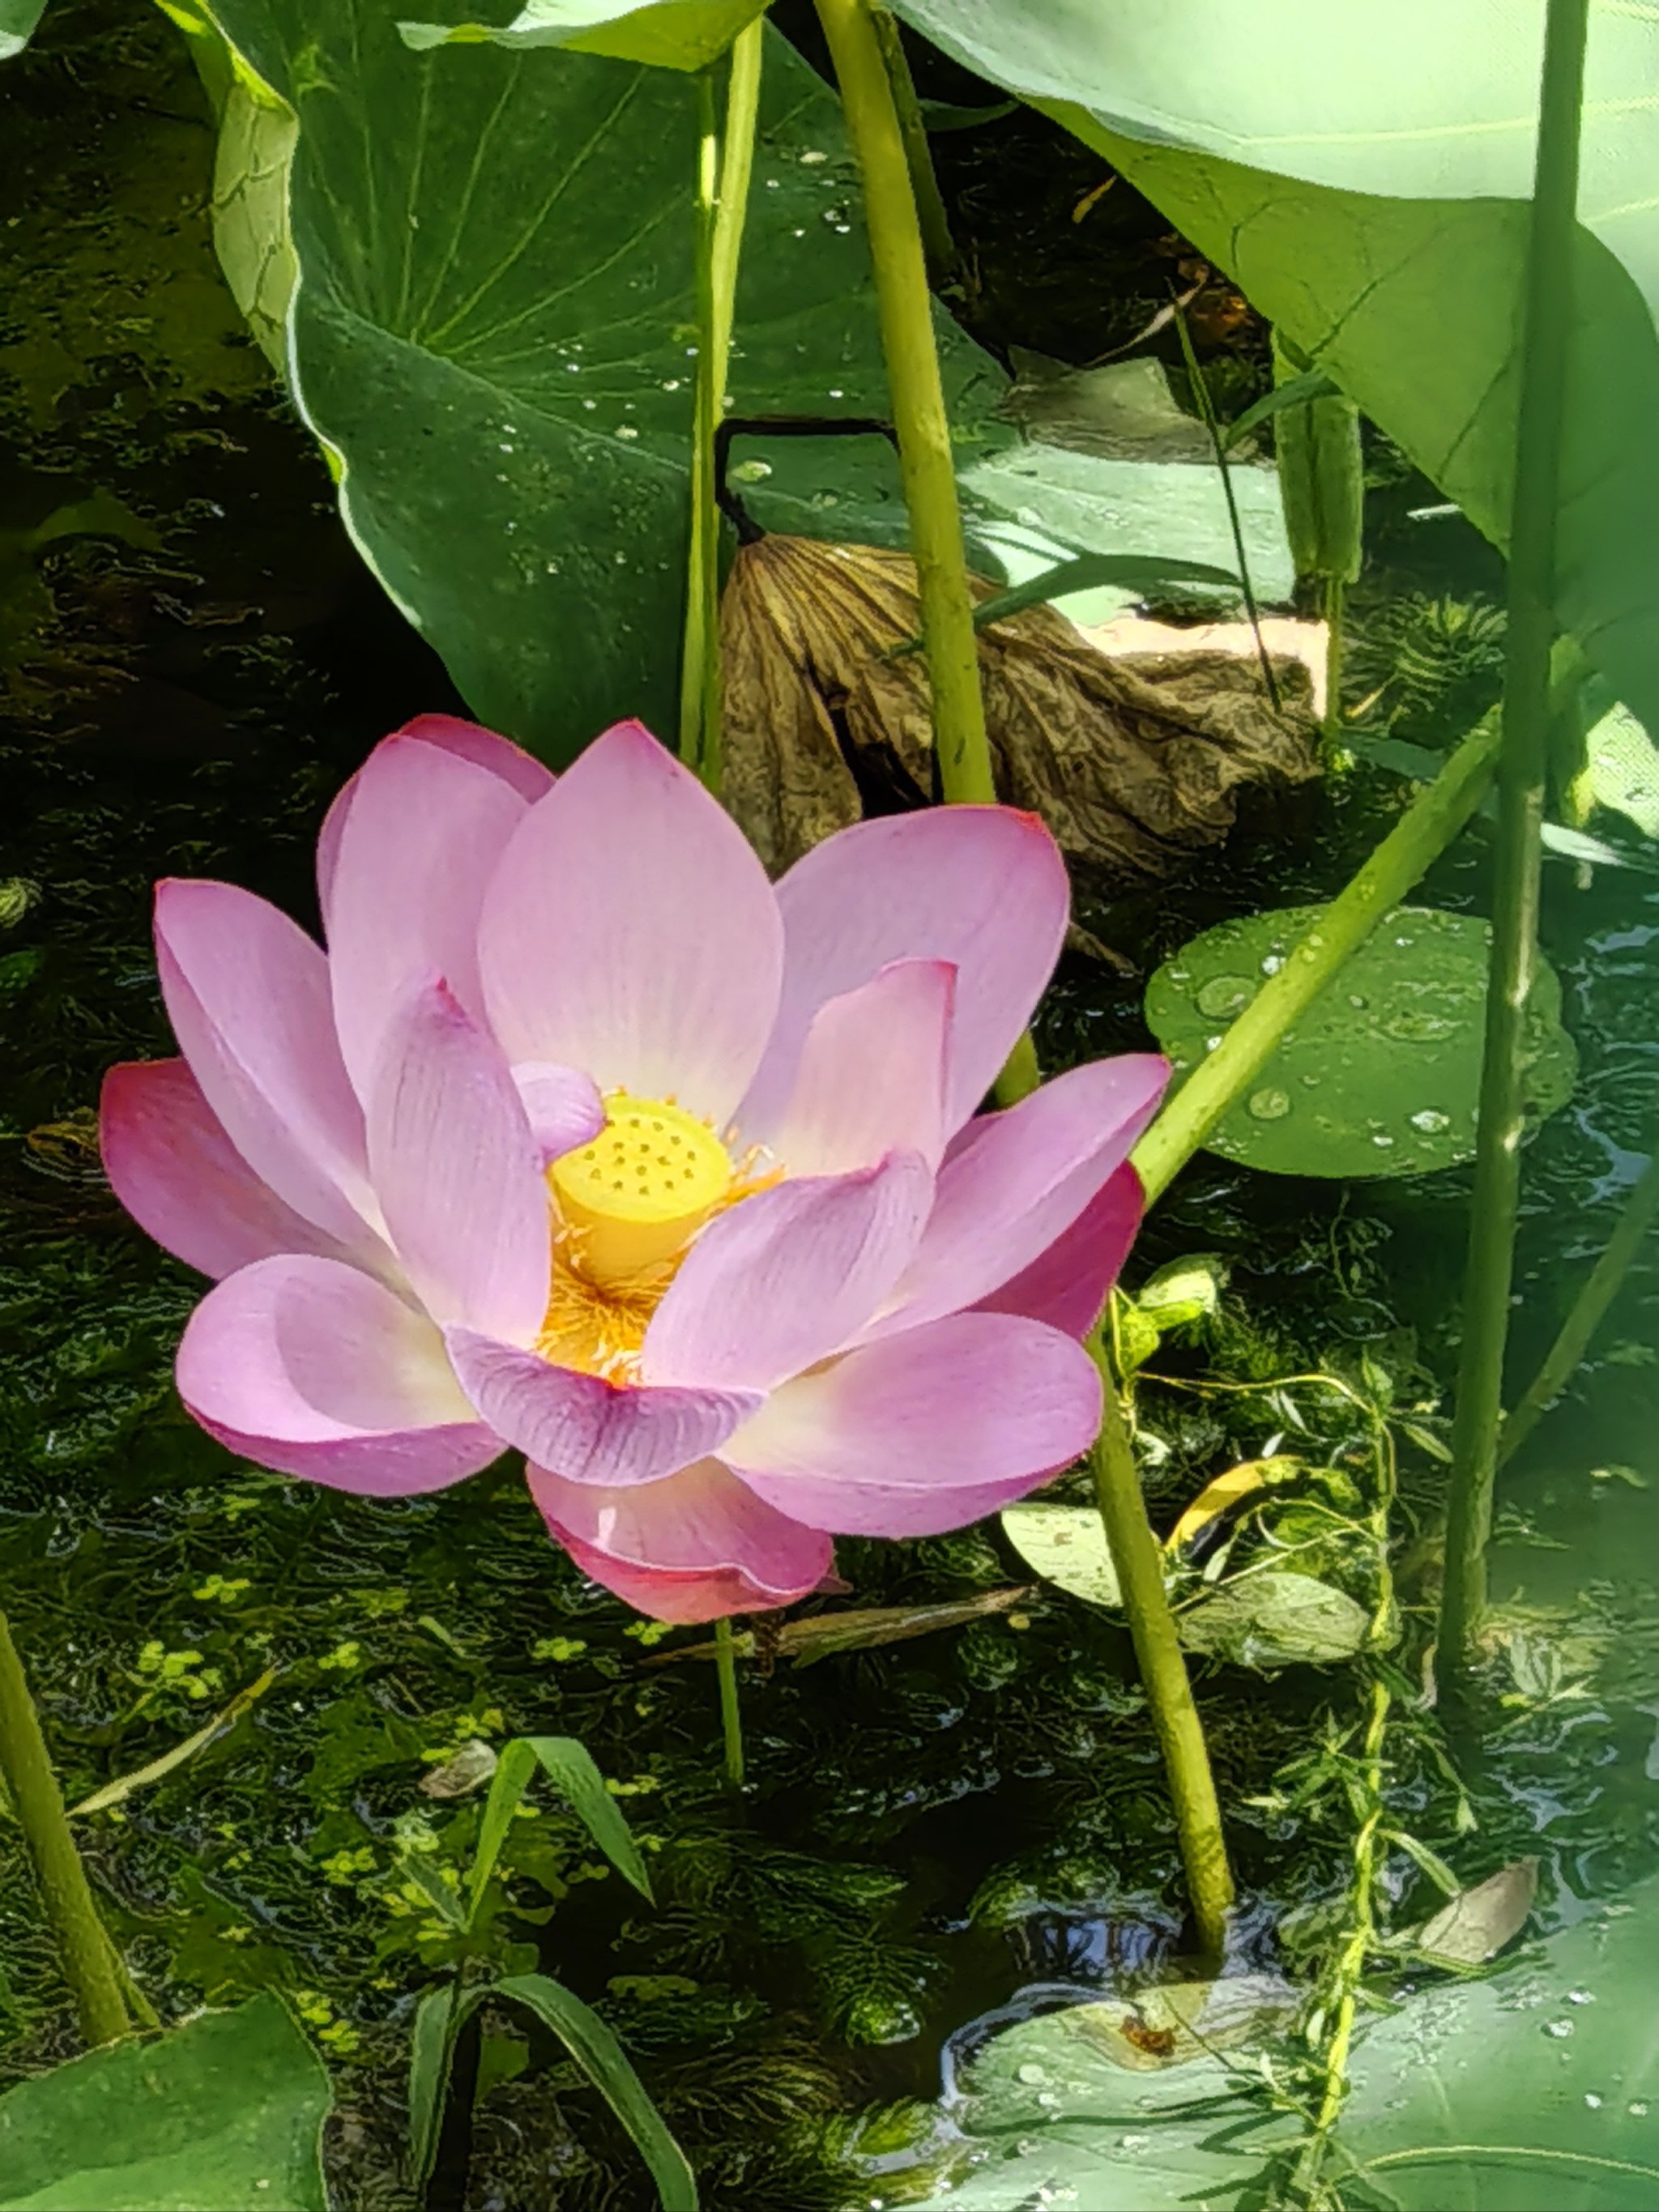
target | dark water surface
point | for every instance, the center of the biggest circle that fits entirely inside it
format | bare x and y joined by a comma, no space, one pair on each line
195,658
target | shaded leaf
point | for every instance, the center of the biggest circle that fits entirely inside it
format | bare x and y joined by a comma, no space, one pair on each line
1479,1922
1384,230
1067,1546
681,34
18,22
1276,1618
225,2112
431,2052
1381,1075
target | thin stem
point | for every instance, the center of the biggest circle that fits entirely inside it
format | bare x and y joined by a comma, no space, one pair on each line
1590,1309
938,245
1336,599
725,1667
1217,446
1349,1970
918,396
84,1946
1139,1567
1418,838
700,659
1528,710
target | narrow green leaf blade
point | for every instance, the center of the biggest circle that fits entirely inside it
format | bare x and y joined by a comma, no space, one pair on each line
512,1771
431,2047
1311,384
569,1766
606,2063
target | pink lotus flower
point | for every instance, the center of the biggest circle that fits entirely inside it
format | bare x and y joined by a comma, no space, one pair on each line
584,1138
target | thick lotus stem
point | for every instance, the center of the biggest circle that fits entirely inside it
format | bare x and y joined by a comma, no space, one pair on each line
1523,768
84,1949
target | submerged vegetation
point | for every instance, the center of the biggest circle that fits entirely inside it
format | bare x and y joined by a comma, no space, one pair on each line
1235,1834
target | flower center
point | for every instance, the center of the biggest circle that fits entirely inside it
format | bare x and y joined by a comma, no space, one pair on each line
633,1198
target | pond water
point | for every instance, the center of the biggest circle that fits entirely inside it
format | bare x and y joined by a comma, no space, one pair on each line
195,659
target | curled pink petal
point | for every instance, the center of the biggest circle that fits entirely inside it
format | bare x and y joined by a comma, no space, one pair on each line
788,1276
457,1170
1067,1285
983,887
562,1104
247,993
467,741
425,831
306,1366
872,1074
695,1546
585,1428
179,1175
630,931
1016,1180
925,1432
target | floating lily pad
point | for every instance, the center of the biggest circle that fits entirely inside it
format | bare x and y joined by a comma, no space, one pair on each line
1276,1620
1381,1075
1067,1546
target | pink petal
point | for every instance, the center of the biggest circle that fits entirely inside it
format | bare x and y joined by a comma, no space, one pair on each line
1067,1287
925,1432
457,1172
788,1276
423,837
630,931
983,887
588,1429
309,1367
562,1105
695,1546
179,1175
873,1075
247,993
467,741
1018,1180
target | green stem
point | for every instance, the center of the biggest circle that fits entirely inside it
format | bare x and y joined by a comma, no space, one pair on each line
1139,1567
84,1948
1349,1970
938,245
723,172
918,397
1589,1310
699,657
1336,597
1528,712
1020,1075
1217,446
1419,836
725,1667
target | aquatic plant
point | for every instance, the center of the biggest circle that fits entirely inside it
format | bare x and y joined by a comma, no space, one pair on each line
583,1140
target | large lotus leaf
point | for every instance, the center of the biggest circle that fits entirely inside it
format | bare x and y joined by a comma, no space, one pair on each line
1379,224
224,2114
1381,1075
683,34
1534,2089
18,19
493,333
